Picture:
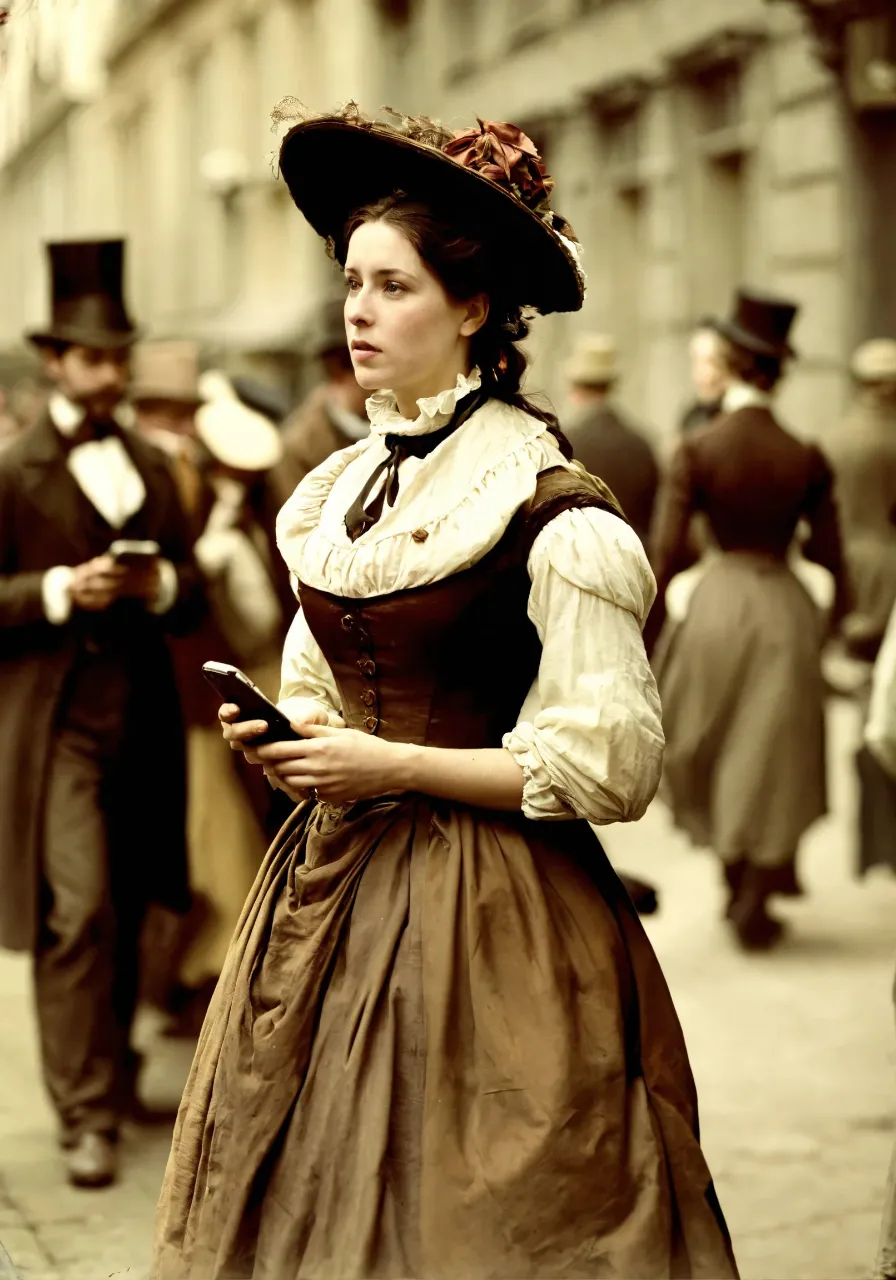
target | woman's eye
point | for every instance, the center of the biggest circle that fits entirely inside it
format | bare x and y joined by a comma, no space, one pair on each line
353,285
393,288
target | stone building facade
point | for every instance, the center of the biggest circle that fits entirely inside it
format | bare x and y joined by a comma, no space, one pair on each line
694,145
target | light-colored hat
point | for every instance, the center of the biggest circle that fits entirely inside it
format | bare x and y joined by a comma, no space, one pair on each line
166,371
875,361
234,434
593,361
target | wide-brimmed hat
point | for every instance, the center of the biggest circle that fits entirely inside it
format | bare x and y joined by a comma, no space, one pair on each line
234,434
759,323
594,361
875,361
87,305
166,371
492,174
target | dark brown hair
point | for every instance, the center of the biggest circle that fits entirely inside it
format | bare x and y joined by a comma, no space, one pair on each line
764,372
465,259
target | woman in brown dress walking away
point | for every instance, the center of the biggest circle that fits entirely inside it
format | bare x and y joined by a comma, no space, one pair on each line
442,1046
740,674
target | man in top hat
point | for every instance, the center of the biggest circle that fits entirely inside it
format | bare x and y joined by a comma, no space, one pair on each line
91,741
863,451
603,439
332,416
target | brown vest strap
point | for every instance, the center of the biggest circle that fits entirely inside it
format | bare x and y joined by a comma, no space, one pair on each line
559,490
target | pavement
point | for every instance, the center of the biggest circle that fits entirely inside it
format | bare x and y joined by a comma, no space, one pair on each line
793,1054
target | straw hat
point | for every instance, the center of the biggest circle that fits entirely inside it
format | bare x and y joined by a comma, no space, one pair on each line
234,434
875,361
594,361
166,371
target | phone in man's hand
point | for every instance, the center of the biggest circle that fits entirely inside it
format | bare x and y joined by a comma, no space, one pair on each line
233,685
133,554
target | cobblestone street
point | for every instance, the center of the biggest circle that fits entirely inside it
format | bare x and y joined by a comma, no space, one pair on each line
793,1054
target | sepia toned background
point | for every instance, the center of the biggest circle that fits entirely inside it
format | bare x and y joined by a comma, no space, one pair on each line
695,144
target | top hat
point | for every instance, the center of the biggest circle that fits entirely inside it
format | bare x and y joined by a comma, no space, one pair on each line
166,371
491,175
87,302
759,323
875,361
593,361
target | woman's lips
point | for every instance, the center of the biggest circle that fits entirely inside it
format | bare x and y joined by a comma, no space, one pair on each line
364,351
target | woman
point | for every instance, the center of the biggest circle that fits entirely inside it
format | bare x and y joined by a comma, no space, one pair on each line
740,673
442,1045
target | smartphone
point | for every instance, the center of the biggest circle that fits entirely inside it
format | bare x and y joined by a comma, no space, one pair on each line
134,555
233,685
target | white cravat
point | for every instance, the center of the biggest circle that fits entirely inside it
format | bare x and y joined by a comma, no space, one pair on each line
105,473
102,469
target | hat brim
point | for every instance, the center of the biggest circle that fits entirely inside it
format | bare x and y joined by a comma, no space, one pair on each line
741,337
333,167
96,339
140,394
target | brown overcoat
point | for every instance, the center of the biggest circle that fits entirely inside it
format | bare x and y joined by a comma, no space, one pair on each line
45,521
862,451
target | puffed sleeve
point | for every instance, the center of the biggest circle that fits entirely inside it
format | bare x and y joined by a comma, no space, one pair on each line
306,676
590,738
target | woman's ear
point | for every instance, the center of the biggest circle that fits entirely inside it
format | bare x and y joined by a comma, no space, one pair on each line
476,315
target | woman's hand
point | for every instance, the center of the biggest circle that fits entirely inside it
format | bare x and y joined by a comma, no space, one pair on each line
341,765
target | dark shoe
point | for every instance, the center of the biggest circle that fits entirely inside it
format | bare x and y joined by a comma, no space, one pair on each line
734,880
756,930
643,895
92,1161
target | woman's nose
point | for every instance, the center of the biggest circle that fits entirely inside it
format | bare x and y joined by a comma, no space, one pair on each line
357,309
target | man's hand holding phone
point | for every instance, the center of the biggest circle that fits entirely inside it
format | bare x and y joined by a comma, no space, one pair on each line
97,584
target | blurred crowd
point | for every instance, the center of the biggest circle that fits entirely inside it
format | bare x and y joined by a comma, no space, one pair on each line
770,551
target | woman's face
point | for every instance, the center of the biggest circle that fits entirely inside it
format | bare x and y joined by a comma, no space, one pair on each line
404,331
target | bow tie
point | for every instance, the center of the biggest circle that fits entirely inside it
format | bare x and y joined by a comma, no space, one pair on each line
362,515
88,431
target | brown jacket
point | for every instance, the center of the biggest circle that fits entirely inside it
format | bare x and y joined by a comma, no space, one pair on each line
609,447
862,451
754,481
45,521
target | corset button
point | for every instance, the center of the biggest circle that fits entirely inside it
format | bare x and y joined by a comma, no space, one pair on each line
347,622
371,724
368,697
419,535
367,667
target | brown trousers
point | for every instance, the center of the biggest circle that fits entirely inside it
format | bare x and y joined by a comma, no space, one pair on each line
85,963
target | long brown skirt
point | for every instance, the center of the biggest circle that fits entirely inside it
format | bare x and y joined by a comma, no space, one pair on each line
743,712
442,1047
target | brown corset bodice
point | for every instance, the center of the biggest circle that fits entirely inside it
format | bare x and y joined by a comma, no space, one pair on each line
450,664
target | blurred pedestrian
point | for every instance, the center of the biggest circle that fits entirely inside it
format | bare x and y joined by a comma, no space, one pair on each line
862,451
332,417
233,811
709,377
739,672
880,748
603,439
92,754
165,396
9,426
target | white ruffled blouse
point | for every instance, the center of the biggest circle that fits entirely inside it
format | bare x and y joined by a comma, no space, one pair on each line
589,736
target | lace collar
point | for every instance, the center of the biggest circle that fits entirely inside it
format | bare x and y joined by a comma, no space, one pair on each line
435,411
